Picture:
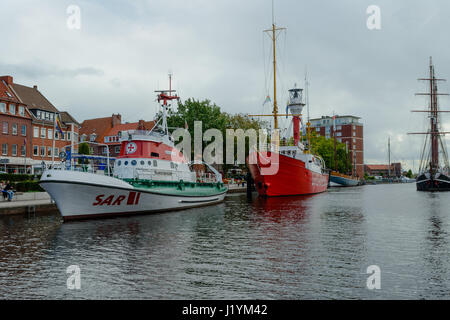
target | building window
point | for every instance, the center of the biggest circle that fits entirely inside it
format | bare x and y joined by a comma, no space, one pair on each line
56,135
104,150
23,130
14,149
50,133
14,129
68,136
39,114
22,111
35,150
5,127
83,137
339,128
91,149
23,150
318,129
62,136
339,134
56,152
5,149
3,107
354,140
354,146
43,135
35,132
354,133
92,137
12,108
42,151
49,151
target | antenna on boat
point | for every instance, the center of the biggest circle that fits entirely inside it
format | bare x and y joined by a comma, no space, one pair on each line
164,96
308,124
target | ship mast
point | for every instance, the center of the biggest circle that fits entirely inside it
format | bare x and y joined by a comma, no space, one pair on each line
433,111
273,34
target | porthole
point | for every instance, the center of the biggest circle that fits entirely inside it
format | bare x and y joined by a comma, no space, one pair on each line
142,162
125,163
119,163
149,163
155,164
134,162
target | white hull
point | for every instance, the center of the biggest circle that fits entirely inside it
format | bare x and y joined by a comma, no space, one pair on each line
84,195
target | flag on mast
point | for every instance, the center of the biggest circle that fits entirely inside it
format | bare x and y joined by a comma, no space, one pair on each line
267,100
59,125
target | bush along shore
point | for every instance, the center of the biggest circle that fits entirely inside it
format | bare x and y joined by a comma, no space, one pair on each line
22,182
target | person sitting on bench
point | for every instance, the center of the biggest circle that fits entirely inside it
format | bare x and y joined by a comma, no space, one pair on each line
9,191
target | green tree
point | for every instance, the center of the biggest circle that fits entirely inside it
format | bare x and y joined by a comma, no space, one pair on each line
211,117
83,148
409,174
325,148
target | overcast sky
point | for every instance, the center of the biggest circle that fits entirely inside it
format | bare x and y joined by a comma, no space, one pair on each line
216,49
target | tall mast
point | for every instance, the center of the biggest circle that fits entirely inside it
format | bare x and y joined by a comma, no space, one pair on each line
275,106
389,156
433,111
335,152
308,124
273,31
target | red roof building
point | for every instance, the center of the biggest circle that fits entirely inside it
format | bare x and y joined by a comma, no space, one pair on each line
382,170
105,131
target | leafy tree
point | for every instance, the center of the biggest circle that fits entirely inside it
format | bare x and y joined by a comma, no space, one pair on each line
325,148
409,174
212,117
83,148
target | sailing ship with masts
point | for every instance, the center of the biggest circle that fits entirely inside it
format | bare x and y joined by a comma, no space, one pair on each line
300,172
434,166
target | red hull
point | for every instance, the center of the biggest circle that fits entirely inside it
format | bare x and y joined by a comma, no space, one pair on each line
291,179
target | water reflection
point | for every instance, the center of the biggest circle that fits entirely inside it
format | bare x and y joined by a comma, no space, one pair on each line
315,247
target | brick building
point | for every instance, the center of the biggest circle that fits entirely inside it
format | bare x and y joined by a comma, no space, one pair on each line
15,122
349,130
382,170
40,132
106,131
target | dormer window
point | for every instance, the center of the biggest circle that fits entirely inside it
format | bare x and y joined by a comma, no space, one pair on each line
83,137
92,137
12,108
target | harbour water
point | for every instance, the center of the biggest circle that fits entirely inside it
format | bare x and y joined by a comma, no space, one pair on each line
315,247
